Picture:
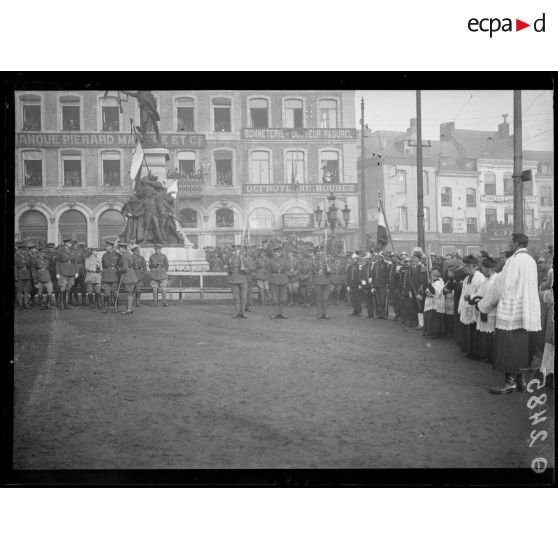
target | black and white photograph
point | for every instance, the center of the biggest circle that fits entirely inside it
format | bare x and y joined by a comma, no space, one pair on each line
283,279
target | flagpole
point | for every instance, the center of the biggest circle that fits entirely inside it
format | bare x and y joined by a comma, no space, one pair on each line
144,160
386,222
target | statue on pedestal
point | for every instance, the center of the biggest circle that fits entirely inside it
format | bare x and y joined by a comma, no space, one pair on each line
149,116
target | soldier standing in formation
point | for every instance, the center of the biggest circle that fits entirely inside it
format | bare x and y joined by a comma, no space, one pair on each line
109,276
40,272
321,272
262,278
293,275
393,286
65,272
354,285
92,267
158,267
238,280
129,278
305,280
278,283
366,278
380,281
250,263
140,268
22,275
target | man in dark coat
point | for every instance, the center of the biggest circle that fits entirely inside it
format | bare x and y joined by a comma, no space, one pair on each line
110,263
354,285
380,281
65,272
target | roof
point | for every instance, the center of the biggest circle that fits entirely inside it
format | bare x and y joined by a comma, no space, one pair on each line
479,143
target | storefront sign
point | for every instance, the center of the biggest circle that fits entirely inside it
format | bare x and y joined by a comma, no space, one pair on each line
278,134
79,139
297,221
266,189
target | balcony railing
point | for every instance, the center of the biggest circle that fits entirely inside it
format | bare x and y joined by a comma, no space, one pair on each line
190,187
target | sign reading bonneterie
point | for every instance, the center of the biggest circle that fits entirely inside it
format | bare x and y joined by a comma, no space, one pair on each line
85,139
266,189
278,134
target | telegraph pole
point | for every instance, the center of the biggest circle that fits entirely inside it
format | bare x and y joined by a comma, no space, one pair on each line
420,193
517,164
364,244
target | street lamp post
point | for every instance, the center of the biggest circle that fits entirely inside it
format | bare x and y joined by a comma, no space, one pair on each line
332,220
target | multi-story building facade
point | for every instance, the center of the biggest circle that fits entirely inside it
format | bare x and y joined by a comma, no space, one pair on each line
257,161
468,189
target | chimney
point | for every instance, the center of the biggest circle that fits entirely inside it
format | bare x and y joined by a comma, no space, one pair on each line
504,128
447,130
412,129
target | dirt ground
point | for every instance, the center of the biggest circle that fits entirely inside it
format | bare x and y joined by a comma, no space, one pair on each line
189,387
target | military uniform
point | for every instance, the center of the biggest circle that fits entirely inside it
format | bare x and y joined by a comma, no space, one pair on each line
65,273
238,280
306,280
23,280
129,277
419,280
293,275
366,278
92,266
354,286
278,280
321,272
250,271
40,271
380,280
140,267
393,289
406,296
110,263
158,267
262,279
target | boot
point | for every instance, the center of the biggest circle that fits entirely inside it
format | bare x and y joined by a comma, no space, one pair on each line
155,298
65,301
90,296
138,298
60,300
106,304
521,384
50,301
84,301
41,303
130,309
98,300
164,295
508,387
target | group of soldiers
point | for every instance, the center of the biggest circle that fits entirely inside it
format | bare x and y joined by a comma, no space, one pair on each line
61,276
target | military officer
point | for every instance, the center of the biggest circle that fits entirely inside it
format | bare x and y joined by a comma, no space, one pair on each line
92,266
238,280
393,285
293,275
40,272
158,267
354,285
321,272
262,278
140,267
278,282
380,280
129,277
419,280
306,280
110,263
79,285
366,279
65,272
23,278
406,293
250,263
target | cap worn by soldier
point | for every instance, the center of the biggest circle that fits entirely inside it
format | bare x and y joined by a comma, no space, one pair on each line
123,244
489,262
467,260
157,246
135,248
520,238
109,242
50,245
67,239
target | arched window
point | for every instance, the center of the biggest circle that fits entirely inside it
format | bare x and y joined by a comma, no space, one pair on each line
260,167
328,113
293,114
189,218
329,165
73,223
111,223
185,114
224,217
259,117
294,171
33,223
261,219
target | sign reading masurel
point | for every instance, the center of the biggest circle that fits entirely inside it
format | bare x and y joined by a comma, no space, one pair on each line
277,134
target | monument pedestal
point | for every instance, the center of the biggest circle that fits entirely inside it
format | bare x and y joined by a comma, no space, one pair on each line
181,258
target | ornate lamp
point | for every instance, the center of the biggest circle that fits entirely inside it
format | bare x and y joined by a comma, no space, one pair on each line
318,213
346,215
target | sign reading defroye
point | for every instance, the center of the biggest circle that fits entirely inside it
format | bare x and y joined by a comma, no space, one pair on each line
320,134
99,139
299,189
298,221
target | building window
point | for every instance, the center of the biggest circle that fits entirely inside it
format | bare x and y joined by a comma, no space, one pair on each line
222,114
447,225
489,184
490,216
189,218
402,218
31,113
543,168
473,250
425,182
70,107
223,168
401,182
508,217
329,165
261,219
33,224
294,172
293,113
471,194
111,223
328,113
546,195
259,117
472,225
71,168
547,226
529,220
111,168
426,218
224,240
73,224
32,169
185,114
260,167
448,251
224,217
110,115
527,188
186,164
446,196
508,184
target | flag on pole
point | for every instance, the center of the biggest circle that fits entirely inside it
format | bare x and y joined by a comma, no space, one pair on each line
172,188
382,236
137,161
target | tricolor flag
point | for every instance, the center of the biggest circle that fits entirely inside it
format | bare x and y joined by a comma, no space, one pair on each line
137,161
172,187
383,238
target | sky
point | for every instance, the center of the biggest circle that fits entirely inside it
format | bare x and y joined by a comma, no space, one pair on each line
473,110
